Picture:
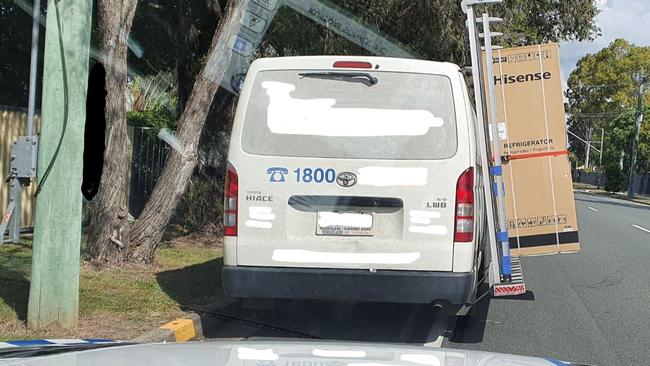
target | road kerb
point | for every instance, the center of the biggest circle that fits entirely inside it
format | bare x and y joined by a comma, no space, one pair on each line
182,329
599,193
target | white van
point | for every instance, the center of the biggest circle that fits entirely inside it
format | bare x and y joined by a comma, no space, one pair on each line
353,178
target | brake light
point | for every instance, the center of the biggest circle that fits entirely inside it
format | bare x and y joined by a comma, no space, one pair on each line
464,224
352,65
230,205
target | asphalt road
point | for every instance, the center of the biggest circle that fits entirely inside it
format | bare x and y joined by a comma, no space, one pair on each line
591,307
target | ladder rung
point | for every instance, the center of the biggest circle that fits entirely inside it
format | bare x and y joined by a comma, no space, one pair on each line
490,19
492,34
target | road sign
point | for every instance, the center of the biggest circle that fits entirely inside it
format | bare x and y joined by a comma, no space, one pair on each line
243,47
254,22
267,4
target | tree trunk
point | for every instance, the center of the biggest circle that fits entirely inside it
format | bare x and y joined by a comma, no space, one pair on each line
184,57
146,232
109,224
216,8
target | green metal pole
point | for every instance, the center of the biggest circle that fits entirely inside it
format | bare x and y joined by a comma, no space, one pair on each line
635,142
54,292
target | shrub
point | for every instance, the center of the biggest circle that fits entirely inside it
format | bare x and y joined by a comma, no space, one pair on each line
614,177
201,207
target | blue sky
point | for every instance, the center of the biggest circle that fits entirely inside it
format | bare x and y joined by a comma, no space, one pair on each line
628,19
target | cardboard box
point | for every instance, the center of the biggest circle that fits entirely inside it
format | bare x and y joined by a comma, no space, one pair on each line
532,130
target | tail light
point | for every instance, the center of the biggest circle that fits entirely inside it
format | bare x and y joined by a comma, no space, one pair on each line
230,204
464,225
352,65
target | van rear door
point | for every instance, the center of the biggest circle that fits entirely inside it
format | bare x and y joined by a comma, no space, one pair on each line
349,168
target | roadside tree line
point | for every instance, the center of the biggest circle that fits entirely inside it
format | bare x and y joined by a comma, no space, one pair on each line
602,94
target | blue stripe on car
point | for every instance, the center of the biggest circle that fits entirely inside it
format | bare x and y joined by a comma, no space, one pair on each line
31,342
557,362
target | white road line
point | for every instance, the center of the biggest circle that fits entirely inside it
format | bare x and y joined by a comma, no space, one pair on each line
641,228
593,209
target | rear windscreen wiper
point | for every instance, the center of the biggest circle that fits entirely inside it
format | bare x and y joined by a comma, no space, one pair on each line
359,77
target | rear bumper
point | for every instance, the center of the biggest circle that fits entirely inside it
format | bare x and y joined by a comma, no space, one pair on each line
349,284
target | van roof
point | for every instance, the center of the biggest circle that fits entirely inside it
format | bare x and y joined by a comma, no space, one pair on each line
379,64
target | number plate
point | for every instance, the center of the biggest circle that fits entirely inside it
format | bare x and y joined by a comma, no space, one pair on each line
345,224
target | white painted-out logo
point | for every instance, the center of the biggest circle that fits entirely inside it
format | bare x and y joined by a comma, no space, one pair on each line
346,179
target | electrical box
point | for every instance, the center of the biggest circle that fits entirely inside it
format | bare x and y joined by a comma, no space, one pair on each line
23,157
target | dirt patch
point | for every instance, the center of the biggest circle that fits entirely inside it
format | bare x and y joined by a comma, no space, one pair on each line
118,327
111,326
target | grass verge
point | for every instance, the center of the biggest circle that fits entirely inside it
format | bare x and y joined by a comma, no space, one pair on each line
118,303
599,191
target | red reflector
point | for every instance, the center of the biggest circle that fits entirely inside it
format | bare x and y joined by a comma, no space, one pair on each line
463,237
510,289
230,204
230,230
352,65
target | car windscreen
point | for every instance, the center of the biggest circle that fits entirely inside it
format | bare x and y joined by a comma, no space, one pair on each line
356,115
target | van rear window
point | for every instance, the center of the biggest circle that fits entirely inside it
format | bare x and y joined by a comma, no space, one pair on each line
353,115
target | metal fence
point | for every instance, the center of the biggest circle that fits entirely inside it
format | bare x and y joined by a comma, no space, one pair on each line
598,179
13,124
148,157
642,185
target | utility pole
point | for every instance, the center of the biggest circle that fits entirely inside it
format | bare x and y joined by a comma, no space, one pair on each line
639,78
600,159
33,67
602,138
54,291
588,152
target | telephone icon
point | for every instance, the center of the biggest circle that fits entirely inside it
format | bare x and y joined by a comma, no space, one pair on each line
276,174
